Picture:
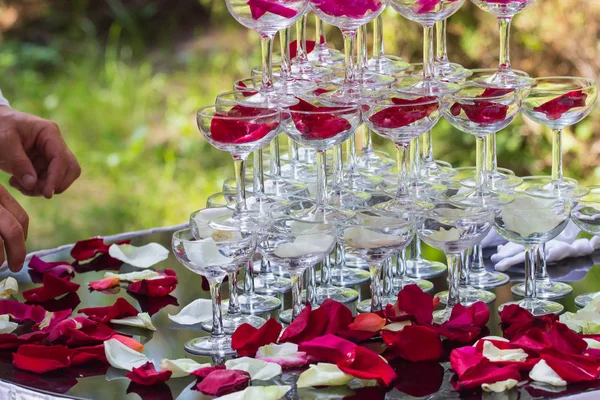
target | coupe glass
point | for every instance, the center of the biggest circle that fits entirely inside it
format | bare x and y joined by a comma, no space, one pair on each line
296,246
267,18
348,17
559,102
380,62
319,127
453,229
482,112
532,221
291,83
504,10
323,55
221,253
586,215
428,13
375,236
301,66
240,130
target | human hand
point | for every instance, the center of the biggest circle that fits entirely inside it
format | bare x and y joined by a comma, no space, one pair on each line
14,225
33,151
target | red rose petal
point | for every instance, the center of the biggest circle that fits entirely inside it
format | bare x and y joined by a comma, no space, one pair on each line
368,365
414,343
426,6
463,334
238,131
87,249
330,348
224,381
152,305
51,319
247,339
52,288
204,372
148,375
572,368
258,8
369,322
465,358
64,327
42,359
555,108
295,332
344,8
331,317
413,304
21,312
482,111
310,46
121,309
564,340
89,335
84,355
486,372
129,342
515,320
67,302
101,263
10,341
318,125
418,379
105,283
59,269
477,314
154,287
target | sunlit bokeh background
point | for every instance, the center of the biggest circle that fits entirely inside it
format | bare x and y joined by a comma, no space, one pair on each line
123,79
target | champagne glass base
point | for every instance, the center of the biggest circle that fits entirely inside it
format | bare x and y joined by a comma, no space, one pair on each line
424,189
564,188
339,294
347,94
209,346
488,280
370,79
584,299
450,72
346,198
326,57
251,221
374,161
500,179
401,204
544,290
349,277
307,71
295,86
537,306
400,283
437,171
429,87
365,305
441,316
321,215
231,323
504,79
363,181
255,304
477,198
425,269
284,189
469,296
271,99
387,65
269,284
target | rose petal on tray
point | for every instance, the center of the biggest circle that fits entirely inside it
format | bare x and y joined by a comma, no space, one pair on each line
8,287
139,257
156,287
259,392
142,320
368,365
414,343
59,269
500,386
181,367
286,355
323,374
64,327
203,372
369,322
133,276
247,339
152,305
258,369
5,325
147,375
129,342
105,283
223,381
412,303
89,335
88,249
84,355
197,311
121,309
52,287
41,359
10,341
542,372
122,357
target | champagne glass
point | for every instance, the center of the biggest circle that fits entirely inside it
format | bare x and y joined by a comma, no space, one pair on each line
375,236
301,66
381,62
454,228
296,246
323,55
267,18
221,253
586,215
559,102
532,221
444,69
504,10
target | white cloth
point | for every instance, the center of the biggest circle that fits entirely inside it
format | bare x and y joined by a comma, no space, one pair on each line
9,391
564,246
3,101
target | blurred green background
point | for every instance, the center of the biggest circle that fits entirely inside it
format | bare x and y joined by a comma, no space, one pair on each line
123,79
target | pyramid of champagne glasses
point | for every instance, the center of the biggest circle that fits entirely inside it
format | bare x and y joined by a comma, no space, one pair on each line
319,217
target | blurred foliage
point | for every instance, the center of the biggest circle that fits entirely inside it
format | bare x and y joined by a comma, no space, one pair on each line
123,79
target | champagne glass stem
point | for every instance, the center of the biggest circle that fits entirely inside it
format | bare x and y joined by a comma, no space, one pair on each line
428,52
454,267
234,303
363,54
311,286
296,281
284,43
215,294
301,39
249,279
275,159
401,266
266,46
326,272
259,177
349,42
427,147
338,167
492,157
376,290
415,160
504,29
388,277
480,165
401,159
463,274
415,248
367,147
239,164
378,45
476,265
530,290
321,195
557,163
351,143
541,270
441,49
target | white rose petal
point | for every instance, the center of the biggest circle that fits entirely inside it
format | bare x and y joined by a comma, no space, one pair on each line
8,287
527,215
586,320
443,235
542,372
494,354
500,386
363,238
592,343
197,311
205,253
323,374
5,325
258,393
181,367
122,357
139,257
142,320
258,369
285,354
495,338
134,276
397,326
306,244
